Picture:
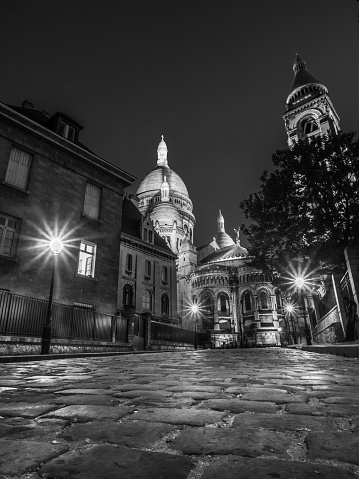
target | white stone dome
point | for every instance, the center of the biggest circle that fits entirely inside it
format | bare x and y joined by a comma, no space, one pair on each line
152,182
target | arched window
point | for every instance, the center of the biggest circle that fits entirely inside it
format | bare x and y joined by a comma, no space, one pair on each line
247,301
165,305
129,263
127,295
264,299
309,126
147,300
278,297
207,302
223,305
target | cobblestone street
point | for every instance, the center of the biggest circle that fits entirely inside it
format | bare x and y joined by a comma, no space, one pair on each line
263,413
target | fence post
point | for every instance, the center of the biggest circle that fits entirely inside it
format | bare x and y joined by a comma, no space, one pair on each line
147,320
114,327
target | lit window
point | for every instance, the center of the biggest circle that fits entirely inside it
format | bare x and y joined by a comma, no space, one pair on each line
92,201
67,131
9,227
129,263
87,259
148,269
18,169
164,274
147,299
165,304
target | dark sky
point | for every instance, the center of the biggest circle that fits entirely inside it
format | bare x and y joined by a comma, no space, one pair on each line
211,76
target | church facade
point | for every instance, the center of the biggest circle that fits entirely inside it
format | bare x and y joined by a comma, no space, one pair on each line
219,291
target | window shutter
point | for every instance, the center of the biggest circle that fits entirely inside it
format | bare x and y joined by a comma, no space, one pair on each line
18,168
92,201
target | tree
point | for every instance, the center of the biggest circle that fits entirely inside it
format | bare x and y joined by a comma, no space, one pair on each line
309,205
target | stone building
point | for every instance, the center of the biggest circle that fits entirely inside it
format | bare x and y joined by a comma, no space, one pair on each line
147,280
52,185
235,301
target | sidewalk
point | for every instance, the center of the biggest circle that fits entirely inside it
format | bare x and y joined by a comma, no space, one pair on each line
349,350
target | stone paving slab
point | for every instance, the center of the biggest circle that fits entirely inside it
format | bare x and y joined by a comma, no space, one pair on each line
186,416
324,409
84,413
90,399
283,422
116,462
340,446
245,468
18,457
24,410
237,405
26,429
243,442
128,433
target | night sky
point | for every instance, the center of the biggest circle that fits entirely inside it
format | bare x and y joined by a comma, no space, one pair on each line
211,76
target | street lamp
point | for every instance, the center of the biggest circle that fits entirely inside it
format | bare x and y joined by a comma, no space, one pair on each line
299,282
195,309
56,246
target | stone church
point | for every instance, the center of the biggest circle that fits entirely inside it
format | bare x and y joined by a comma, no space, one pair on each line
218,289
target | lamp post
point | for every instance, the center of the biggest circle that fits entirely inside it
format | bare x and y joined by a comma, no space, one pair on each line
194,309
299,282
56,247
290,309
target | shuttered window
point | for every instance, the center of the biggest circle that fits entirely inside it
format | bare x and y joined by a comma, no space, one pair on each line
9,227
92,201
18,169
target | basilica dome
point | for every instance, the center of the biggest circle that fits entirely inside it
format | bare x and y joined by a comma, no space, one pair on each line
153,181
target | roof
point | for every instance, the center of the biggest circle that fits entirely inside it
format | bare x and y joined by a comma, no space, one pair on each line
227,253
301,78
152,182
131,224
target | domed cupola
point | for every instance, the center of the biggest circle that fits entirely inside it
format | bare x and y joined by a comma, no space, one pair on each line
309,110
164,195
223,239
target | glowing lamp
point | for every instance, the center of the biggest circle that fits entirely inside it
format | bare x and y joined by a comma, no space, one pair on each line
194,308
289,308
56,246
299,281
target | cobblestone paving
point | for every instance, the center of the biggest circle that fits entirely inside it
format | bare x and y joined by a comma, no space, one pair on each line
271,413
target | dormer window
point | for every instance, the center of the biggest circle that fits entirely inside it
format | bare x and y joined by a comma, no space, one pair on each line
67,131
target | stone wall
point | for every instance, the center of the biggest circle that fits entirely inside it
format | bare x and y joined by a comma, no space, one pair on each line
329,329
16,346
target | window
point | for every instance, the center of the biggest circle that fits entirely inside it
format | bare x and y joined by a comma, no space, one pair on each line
264,300
150,236
164,274
129,263
148,269
309,126
165,304
127,295
147,300
9,227
87,259
144,234
247,301
67,131
18,169
223,304
92,201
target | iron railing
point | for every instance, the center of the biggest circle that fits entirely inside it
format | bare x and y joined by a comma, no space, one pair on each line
25,316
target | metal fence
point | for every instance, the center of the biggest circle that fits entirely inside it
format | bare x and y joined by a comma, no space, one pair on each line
166,332
25,316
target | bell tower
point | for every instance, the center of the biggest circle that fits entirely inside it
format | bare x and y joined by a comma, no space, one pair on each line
309,110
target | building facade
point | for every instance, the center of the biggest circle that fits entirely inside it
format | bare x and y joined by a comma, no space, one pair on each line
147,281
51,185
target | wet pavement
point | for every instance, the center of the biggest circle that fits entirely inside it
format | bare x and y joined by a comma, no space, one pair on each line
263,413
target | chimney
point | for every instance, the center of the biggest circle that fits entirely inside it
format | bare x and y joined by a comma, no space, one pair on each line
27,104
